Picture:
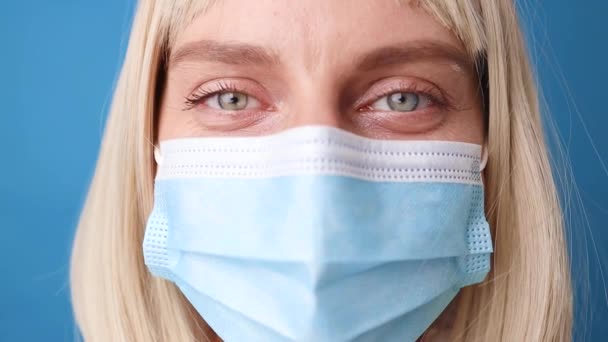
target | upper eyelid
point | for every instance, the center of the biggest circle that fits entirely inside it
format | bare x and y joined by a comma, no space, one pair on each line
411,85
248,90
413,92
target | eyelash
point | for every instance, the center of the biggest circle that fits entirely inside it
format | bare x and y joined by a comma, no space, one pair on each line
202,94
439,100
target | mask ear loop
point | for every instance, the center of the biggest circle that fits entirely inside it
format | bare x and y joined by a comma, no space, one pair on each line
158,157
484,160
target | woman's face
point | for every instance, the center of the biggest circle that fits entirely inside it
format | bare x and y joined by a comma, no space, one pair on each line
376,68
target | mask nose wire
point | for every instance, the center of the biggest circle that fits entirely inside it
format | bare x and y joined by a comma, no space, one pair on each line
158,157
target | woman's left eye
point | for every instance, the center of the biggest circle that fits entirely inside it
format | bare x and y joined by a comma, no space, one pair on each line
401,102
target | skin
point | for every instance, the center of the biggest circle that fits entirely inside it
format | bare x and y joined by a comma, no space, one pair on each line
320,62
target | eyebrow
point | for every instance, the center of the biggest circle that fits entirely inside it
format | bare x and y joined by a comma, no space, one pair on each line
414,51
224,52
233,53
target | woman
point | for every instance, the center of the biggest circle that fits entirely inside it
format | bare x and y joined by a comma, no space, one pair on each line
321,172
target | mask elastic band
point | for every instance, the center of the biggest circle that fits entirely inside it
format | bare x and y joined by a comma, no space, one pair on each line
484,158
158,157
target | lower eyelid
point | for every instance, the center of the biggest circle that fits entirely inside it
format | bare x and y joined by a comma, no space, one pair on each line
221,121
415,122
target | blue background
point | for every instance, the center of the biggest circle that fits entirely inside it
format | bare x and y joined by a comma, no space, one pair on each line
58,64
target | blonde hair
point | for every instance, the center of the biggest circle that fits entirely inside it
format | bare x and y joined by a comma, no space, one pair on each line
527,296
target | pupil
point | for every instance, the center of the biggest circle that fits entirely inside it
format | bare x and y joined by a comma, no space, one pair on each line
403,101
232,101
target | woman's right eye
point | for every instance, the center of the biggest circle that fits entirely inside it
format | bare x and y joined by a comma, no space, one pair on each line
230,105
231,101
224,96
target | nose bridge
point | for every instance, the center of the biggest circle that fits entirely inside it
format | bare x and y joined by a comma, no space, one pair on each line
315,102
314,67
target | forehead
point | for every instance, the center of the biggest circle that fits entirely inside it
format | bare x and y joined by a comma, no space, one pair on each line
314,32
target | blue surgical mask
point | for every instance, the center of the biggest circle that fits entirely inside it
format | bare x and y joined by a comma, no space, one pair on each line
317,234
